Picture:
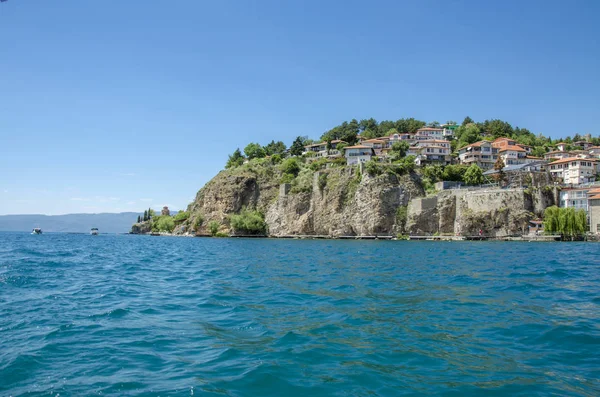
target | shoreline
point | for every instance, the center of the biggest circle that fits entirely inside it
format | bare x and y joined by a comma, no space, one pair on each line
525,238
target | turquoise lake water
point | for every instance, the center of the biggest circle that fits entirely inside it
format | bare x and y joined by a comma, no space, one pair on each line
159,316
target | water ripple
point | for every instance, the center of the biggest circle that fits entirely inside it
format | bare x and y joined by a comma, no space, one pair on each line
137,316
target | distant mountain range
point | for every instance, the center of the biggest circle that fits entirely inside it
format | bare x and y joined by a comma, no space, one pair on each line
74,223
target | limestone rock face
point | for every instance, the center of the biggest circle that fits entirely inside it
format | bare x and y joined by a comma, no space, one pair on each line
338,201
497,212
141,228
342,201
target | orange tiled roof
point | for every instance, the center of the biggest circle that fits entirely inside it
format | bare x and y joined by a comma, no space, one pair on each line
596,197
358,147
513,148
569,159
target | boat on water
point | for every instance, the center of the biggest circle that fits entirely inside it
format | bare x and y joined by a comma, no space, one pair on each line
36,230
94,231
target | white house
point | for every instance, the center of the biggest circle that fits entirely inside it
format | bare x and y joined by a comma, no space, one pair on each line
574,170
358,154
481,153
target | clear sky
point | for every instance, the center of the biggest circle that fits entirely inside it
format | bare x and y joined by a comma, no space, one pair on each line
114,105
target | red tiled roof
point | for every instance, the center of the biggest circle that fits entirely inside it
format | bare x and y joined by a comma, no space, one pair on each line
569,159
596,197
514,148
358,147
476,144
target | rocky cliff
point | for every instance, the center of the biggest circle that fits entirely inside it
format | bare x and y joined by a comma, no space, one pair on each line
333,201
346,201
496,212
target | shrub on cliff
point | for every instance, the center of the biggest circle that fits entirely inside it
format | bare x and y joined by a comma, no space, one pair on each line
181,216
163,223
248,222
213,228
291,166
235,160
474,175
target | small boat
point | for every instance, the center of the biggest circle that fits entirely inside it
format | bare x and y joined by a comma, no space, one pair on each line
36,230
94,231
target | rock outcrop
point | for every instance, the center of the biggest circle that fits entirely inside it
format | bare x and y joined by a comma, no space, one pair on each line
496,212
343,201
333,202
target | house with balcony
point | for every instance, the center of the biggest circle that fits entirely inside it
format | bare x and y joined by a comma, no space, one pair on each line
585,145
594,151
358,154
557,154
574,170
433,151
320,149
431,132
594,210
513,155
378,144
574,198
481,153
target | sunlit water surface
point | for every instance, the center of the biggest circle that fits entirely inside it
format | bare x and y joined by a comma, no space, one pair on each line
137,315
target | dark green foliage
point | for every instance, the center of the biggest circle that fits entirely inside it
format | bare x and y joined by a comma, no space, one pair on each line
454,173
249,222
467,120
373,168
474,175
181,216
322,181
139,219
402,216
291,166
568,222
275,148
297,147
163,223
213,228
399,150
145,215
235,159
254,151
434,173
276,159
318,164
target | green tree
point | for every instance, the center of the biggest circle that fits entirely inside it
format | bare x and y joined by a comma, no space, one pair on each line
249,222
275,148
474,175
291,166
145,215
399,150
454,173
165,223
568,222
467,120
402,217
139,219
213,228
235,160
297,147
254,151
499,166
181,216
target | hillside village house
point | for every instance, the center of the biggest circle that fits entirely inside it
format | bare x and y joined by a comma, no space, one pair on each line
594,210
481,153
431,132
594,151
377,144
561,146
358,154
574,198
574,170
557,154
320,149
585,145
434,151
511,152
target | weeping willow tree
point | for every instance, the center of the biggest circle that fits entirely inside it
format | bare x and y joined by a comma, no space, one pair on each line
568,222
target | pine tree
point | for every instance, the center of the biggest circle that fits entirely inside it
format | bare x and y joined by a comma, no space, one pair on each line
145,216
139,219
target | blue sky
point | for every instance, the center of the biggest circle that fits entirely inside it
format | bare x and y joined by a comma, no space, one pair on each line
118,105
